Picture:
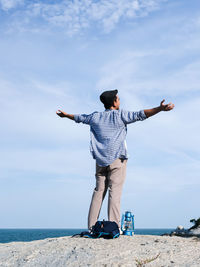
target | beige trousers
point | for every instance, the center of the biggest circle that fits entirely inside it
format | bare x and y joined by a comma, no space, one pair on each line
109,178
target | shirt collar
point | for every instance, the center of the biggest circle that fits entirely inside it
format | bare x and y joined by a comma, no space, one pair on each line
108,109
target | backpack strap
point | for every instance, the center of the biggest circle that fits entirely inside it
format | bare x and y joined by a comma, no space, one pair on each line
86,234
105,229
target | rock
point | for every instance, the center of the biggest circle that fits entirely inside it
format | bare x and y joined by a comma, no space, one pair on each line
180,227
195,232
123,251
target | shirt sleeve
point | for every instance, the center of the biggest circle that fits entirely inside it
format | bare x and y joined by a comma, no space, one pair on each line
84,118
133,116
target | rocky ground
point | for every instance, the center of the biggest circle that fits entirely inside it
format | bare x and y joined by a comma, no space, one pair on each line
138,250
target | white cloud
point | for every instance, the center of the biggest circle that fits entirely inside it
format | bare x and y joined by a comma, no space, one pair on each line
167,179
34,104
136,72
9,4
35,138
172,135
55,161
74,16
143,79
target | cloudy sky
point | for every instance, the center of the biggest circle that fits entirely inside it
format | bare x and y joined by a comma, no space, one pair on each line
62,54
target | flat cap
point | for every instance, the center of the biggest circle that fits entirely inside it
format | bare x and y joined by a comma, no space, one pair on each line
108,97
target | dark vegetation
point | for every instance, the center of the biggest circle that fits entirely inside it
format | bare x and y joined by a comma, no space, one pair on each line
196,223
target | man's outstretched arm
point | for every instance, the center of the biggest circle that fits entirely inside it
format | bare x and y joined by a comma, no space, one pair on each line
162,107
63,114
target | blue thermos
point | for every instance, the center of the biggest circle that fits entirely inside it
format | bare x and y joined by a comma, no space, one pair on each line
127,223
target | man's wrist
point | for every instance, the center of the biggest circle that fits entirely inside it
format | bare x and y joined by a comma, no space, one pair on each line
65,114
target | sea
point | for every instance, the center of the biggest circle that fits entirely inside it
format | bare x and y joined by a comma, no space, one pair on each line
27,235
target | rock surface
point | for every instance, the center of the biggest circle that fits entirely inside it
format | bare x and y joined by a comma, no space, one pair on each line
180,231
138,250
195,231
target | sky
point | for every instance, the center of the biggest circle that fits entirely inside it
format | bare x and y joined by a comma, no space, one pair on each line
63,55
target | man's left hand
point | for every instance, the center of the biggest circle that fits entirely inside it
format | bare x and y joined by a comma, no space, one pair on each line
166,107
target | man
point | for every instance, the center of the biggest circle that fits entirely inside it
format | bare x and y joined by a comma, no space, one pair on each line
108,147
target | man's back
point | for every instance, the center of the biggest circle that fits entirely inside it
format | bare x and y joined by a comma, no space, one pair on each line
108,132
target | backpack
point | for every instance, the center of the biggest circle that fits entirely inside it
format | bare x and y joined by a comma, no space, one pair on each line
105,229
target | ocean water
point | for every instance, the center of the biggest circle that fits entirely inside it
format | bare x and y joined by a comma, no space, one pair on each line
27,235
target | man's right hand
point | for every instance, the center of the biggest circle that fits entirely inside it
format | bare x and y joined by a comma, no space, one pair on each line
61,113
